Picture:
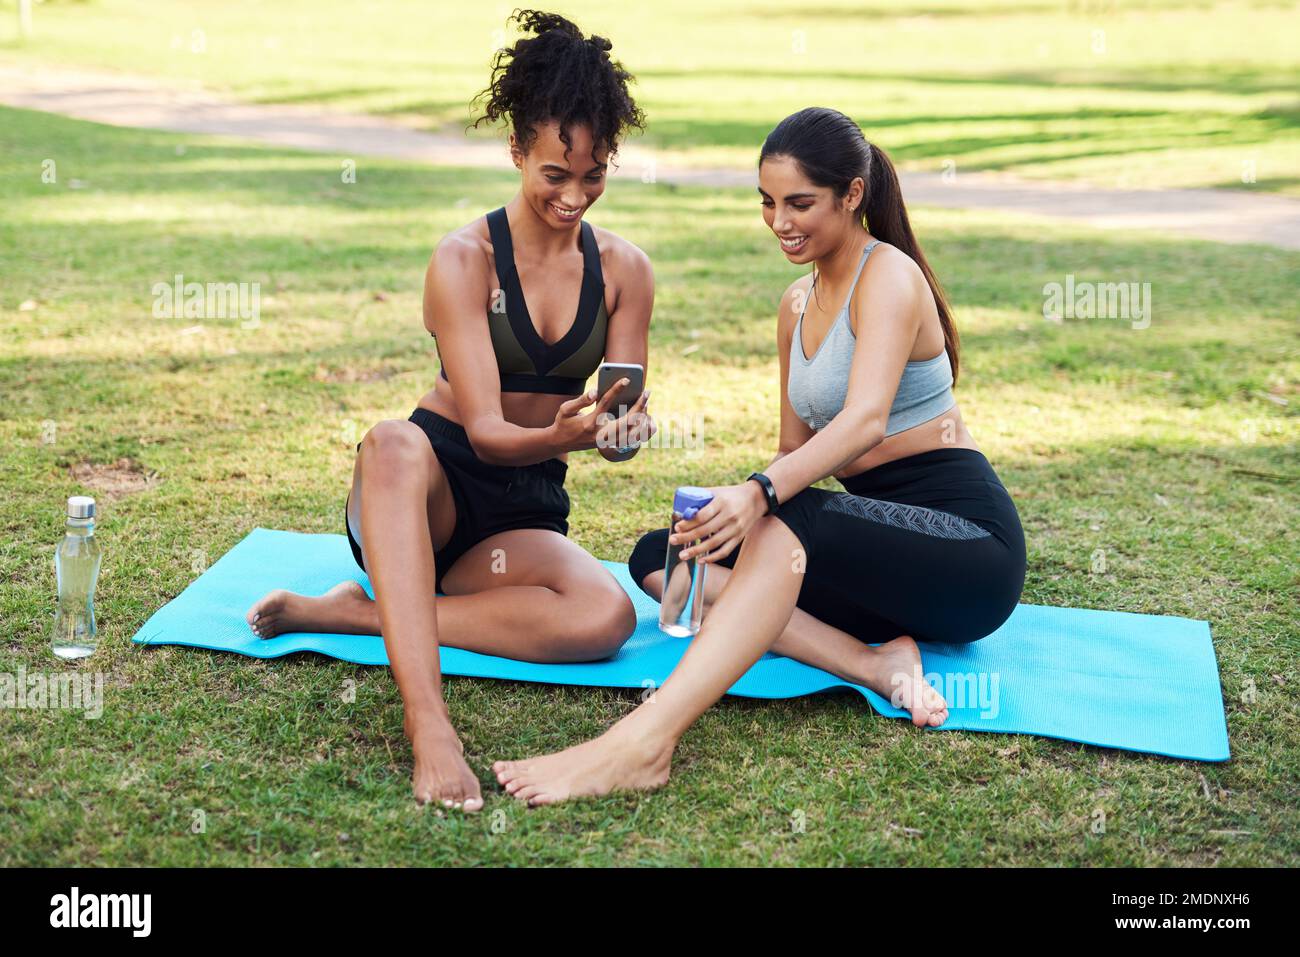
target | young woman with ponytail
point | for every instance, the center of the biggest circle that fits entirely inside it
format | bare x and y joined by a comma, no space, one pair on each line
924,544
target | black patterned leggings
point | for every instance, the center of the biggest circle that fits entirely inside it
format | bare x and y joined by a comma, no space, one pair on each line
929,546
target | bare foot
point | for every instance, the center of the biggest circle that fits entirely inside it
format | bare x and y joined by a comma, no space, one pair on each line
441,774
894,671
344,608
615,761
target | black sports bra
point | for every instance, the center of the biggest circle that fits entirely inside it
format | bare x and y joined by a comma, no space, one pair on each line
525,361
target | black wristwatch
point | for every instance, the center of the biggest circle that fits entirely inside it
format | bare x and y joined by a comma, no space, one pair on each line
768,490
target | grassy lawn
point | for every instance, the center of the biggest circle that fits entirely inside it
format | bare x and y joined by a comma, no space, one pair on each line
1170,448
1134,94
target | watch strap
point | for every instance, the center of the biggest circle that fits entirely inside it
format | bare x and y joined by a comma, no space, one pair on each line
769,490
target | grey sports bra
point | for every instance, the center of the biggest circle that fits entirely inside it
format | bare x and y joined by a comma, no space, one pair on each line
817,386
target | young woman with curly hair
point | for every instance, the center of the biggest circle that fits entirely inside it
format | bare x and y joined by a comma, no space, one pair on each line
466,496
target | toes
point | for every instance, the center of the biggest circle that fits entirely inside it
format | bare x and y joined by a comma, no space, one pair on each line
473,795
528,792
510,772
265,626
473,805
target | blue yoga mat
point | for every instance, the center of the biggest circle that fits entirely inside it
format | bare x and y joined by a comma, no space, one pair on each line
1145,683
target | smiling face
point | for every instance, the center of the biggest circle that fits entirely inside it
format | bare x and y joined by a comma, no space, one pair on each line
809,220
560,188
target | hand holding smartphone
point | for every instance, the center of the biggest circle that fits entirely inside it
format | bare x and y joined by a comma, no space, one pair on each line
577,430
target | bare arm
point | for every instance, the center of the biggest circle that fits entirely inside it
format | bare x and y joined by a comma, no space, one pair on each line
453,299
886,328
628,334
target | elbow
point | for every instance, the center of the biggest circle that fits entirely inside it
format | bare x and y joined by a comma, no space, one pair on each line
481,441
871,432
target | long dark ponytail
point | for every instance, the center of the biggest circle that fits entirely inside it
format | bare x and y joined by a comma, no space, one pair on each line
831,150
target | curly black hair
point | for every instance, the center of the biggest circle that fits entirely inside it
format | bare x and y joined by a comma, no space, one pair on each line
559,74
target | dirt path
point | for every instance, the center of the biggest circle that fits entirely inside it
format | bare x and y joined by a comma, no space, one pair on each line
144,102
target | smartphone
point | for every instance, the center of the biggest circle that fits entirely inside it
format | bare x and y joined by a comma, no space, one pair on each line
608,374
611,372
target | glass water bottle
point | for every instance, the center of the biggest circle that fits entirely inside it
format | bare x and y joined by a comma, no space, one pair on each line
682,607
76,566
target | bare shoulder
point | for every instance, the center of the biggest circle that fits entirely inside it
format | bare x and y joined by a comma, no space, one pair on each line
621,258
890,269
792,302
894,287
799,287
459,269
462,251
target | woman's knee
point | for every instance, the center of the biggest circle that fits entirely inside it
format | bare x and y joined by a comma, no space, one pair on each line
648,556
606,621
616,619
984,625
393,444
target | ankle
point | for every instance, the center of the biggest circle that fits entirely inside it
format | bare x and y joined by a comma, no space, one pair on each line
426,720
868,660
650,744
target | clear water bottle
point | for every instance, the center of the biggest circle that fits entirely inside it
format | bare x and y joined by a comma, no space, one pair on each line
76,565
682,607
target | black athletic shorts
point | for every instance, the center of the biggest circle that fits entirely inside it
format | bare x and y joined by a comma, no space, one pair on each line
489,498
928,546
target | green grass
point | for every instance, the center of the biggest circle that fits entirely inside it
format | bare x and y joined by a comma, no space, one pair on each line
1171,448
1142,94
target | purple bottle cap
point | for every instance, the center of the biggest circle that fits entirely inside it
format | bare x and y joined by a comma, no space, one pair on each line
690,499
